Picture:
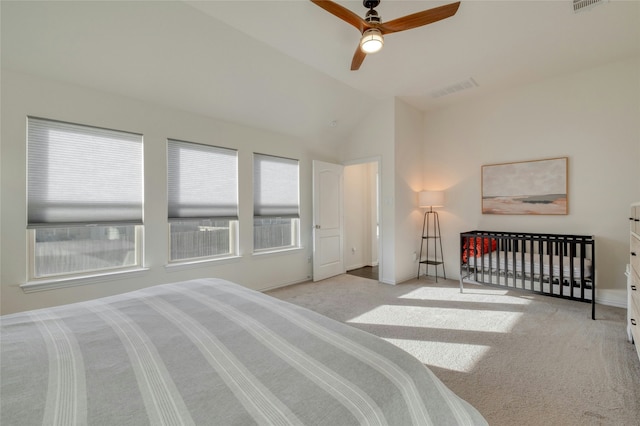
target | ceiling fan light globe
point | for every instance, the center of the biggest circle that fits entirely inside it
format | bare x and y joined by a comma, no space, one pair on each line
371,41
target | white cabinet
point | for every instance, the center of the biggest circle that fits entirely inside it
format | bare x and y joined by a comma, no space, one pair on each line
634,218
633,279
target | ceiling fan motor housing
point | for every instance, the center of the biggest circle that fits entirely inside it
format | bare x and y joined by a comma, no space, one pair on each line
372,17
370,4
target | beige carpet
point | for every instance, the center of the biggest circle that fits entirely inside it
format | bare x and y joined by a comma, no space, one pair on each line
519,358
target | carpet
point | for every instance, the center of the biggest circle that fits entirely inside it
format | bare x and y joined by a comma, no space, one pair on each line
519,358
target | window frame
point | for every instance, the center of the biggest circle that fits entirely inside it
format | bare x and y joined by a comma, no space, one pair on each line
294,219
295,237
234,247
136,266
78,277
234,223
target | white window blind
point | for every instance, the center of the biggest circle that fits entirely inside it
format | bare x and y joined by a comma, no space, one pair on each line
83,175
202,181
275,187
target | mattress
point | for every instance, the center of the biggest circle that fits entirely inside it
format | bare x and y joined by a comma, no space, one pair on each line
208,351
549,264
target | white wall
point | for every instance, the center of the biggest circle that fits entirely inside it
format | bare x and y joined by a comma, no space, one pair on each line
592,117
374,138
394,131
374,241
24,95
408,182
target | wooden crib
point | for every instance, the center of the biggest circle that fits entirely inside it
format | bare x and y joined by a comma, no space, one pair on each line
551,264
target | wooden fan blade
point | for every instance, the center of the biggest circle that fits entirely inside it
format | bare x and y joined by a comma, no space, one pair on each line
358,57
419,19
343,13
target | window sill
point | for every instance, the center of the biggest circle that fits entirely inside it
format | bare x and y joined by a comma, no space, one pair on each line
278,251
54,283
191,264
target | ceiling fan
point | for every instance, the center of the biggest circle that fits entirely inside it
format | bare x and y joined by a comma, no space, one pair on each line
373,29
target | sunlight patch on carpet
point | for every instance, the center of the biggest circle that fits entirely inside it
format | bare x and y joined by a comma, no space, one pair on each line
471,294
459,357
440,318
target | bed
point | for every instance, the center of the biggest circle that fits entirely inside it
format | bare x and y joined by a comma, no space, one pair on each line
551,264
208,351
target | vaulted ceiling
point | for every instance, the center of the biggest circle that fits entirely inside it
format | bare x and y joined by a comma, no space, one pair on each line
284,65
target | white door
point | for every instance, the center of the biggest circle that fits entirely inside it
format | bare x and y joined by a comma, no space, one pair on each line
327,220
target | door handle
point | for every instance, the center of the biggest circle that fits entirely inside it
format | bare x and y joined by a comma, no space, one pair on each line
633,288
633,321
317,226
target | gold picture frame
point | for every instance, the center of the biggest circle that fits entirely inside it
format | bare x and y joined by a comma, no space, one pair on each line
538,187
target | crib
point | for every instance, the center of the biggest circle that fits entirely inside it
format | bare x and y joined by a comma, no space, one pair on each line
550,264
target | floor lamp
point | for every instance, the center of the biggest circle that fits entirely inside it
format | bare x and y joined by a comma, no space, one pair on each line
431,233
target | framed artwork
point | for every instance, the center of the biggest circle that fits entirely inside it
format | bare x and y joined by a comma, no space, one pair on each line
526,187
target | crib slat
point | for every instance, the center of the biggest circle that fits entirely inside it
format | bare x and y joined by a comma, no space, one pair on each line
540,272
593,279
523,273
491,262
582,250
531,274
561,252
572,277
514,272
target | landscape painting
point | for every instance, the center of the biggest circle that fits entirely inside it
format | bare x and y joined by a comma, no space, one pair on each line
530,187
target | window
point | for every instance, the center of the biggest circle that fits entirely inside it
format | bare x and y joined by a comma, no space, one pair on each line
275,203
84,201
203,201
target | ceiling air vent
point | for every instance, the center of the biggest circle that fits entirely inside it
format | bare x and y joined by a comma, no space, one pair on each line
580,5
469,83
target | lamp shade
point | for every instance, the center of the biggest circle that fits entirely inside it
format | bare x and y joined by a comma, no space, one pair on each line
428,199
371,40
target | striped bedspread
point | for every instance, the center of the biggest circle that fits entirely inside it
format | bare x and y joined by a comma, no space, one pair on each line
209,352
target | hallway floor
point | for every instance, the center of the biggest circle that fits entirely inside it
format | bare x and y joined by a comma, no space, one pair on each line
370,272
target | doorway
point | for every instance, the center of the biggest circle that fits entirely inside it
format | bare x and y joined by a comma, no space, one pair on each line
361,212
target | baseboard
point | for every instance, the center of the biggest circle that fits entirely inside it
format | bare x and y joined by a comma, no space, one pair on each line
284,284
407,278
387,281
610,297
